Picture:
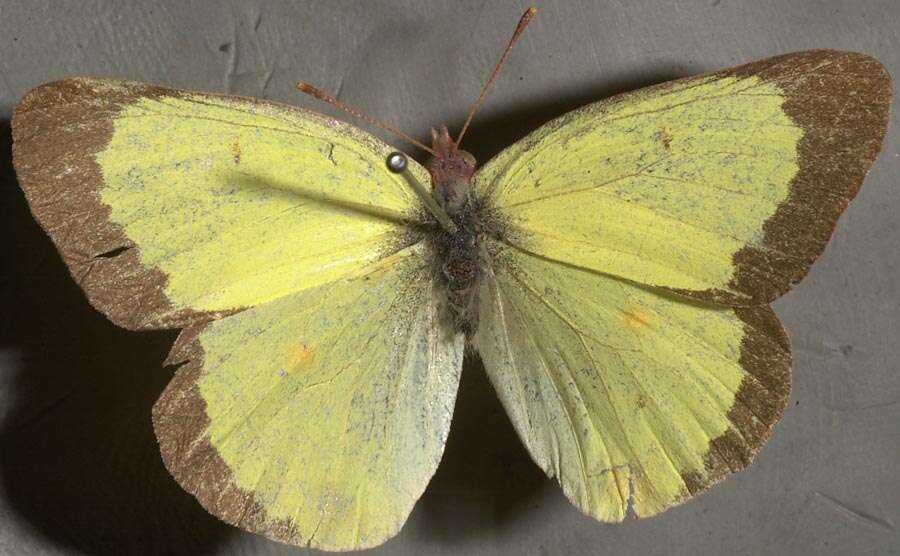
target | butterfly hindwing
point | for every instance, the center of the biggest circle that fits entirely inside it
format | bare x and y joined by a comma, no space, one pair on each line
172,207
627,395
725,187
318,418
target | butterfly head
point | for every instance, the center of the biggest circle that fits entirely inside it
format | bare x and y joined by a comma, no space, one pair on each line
451,170
447,154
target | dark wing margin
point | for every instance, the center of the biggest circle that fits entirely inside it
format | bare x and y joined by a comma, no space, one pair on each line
759,401
842,102
179,421
58,129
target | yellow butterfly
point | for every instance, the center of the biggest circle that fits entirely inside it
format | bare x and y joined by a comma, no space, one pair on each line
613,270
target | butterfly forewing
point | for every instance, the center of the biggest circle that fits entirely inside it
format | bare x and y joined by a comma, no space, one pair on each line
724,187
172,207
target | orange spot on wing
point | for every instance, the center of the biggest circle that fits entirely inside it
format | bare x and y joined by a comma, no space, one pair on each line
302,357
637,319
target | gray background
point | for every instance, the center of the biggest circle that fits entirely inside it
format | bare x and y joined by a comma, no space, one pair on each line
79,468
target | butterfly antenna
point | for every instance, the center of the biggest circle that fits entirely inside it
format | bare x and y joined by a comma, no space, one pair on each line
520,28
325,97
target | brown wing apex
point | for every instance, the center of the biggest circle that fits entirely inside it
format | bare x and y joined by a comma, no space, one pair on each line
58,129
841,100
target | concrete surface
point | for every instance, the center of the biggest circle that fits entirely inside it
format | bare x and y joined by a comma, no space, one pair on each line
79,468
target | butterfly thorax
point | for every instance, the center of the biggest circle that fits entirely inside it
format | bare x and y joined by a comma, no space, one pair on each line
457,253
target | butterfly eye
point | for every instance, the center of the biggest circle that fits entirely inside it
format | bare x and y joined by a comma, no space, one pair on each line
396,162
468,157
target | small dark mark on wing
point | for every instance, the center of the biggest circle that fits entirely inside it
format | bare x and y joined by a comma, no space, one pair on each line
236,150
329,152
664,137
112,252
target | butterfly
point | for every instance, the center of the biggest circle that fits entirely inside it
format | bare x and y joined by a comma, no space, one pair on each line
613,270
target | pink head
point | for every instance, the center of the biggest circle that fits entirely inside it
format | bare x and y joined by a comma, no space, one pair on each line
451,170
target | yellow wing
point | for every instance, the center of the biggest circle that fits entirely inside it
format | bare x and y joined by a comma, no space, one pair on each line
318,418
628,396
725,187
172,207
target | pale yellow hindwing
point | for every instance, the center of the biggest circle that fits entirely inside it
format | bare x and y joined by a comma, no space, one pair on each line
172,206
725,186
629,396
318,418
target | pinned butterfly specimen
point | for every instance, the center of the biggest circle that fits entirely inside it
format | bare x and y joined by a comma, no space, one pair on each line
613,269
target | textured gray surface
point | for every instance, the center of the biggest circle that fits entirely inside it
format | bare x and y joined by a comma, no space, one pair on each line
79,468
